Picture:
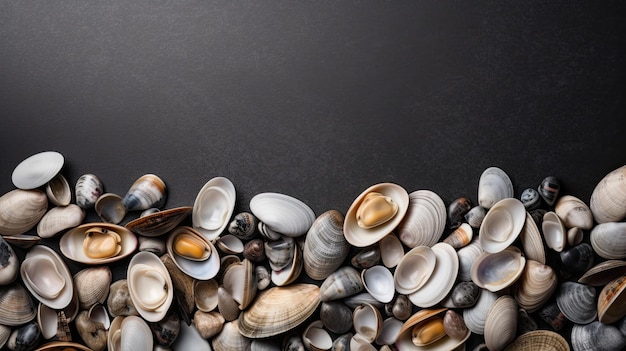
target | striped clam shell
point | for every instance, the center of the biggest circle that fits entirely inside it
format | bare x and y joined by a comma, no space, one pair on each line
146,192
88,189
325,247
20,210
424,221
608,200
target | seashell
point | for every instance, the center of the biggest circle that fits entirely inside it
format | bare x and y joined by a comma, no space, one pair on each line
47,277
92,326
59,219
375,209
208,324
549,189
228,307
554,232
457,211
110,208
159,223
16,306
361,235
463,295
24,337
577,302
454,326
267,233
530,198
20,210
240,281
603,272
279,309
427,332
129,333
460,237
147,191
366,257
355,300
150,244
150,286
425,219
280,252
325,247
476,316
552,315
230,338
254,250
63,346
441,280
496,271
264,345
359,343
47,320
243,225
88,189
467,255
9,263
400,307
101,242
367,322
282,213
428,325
525,322
535,286
37,170
502,225
574,212
192,253
577,259
597,336
213,207
229,244
336,316
205,294
290,273
544,340
379,282
190,339
414,269
608,200
316,338
263,277
341,343
612,301
58,191
609,240
345,281
119,302
389,331
474,217
22,241
183,285
92,285
166,330
494,185
574,236
501,323
391,250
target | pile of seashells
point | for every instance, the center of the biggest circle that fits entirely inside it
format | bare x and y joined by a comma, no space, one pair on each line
514,273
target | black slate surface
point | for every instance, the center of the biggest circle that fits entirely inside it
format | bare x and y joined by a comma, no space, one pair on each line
318,100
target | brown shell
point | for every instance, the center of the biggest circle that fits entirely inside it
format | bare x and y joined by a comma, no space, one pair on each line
160,222
539,340
603,272
612,301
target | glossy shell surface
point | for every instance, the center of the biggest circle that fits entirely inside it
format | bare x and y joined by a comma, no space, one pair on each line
502,225
282,213
71,243
213,207
37,170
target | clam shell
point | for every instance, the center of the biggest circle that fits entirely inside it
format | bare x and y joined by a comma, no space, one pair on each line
290,273
37,170
389,332
609,240
240,281
47,277
501,323
597,336
92,326
391,250
539,340
496,271
316,338
476,316
190,339
502,225
441,280
353,301
9,263
59,219
467,255
20,210
150,286
208,324
129,333
454,326
24,337
5,332
243,225
457,210
475,216
359,343
159,223
577,259
361,237
205,294
88,189
325,247
228,307
92,285
229,244
367,322
198,269
532,242
345,281
366,257
549,189
414,269
608,200
48,320
574,236
577,302
16,306
278,310
231,338
554,232
213,207
62,346
150,244
379,282
119,302
425,219
375,209
110,208
71,243
494,185
574,212
254,250
58,191
460,237
336,316
280,252
147,191
22,241
535,286
282,213
404,340
603,272
612,301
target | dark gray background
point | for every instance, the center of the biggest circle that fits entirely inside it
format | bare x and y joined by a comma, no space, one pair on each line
318,100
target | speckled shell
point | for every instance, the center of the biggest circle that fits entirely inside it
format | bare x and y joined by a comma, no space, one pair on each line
20,210
9,264
530,198
608,200
325,247
88,189
425,219
494,185
612,301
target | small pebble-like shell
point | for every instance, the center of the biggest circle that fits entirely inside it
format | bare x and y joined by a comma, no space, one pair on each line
400,307
147,191
366,257
208,324
9,263
577,259
119,302
243,225
336,316
475,216
457,211
254,250
463,295
549,189
460,237
530,198
345,281
574,212
166,330
454,325
24,337
88,189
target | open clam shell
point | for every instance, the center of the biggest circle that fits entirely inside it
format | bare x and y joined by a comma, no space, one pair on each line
542,340
502,225
441,280
159,223
59,191
37,170
378,281
62,346
240,281
603,272
47,277
48,321
494,185
150,286
496,271
367,321
554,231
147,191
360,236
429,319
414,269
198,269
315,337
72,243
290,273
205,294
213,207
612,301
110,208
424,221
282,213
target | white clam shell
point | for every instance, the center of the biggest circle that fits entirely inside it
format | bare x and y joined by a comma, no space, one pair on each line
202,270
389,331
574,212
441,280
532,242
59,191
494,185
213,207
467,255
315,337
367,321
608,200
47,319
502,225
59,219
476,316
37,170
424,221
190,339
501,323
229,244
20,210
282,213
554,232
325,246
414,269
609,240
378,281
130,333
47,277
71,243
362,237
150,286
496,271
391,250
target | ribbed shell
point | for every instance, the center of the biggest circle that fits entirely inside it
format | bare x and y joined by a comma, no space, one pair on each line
16,306
597,336
92,285
609,240
608,200
231,339
147,191
20,210
494,185
476,316
325,247
577,302
612,301
58,219
160,222
531,241
501,323
279,309
603,272
539,340
424,221
345,281
535,286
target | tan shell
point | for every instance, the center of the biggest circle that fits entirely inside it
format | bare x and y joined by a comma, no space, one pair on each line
231,338
16,306
367,321
535,286
501,323
92,285
20,210
325,247
425,219
279,309
609,240
72,242
160,222
445,342
612,301
531,241
391,250
183,284
608,200
414,269
208,324
554,232
460,237
59,219
539,340
59,191
205,294
574,212
62,346
502,225
603,272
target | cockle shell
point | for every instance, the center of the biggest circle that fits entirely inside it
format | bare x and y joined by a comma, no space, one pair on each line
59,219
37,170
282,213
20,210
92,285
58,191
150,286
88,189
147,191
424,221
160,222
129,333
612,301
9,263
441,280
16,306
47,277
574,212
554,232
597,336
609,240
577,302
544,340
207,263
278,310
502,225
535,286
496,271
325,247
73,242
608,200
345,281
501,323
494,185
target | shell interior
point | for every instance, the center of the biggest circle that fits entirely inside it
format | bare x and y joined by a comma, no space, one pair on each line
496,271
213,207
441,280
502,225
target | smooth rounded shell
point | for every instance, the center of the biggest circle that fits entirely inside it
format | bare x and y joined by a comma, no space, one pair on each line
414,269
603,272
325,247
71,243
501,323
494,185
574,212
64,295
282,213
58,219
502,225
147,191
608,200
159,223
496,271
37,170
424,221
213,207
609,240
203,270
441,280
554,232
139,286
378,281
577,302
20,210
58,191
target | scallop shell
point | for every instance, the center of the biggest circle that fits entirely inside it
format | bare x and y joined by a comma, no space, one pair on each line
379,282
282,213
198,269
147,191
496,271
554,232
612,301
159,223
577,302
58,191
37,170
476,316
71,243
494,185
501,323
609,240
213,207
574,212
361,237
20,210
414,269
539,340
47,277
535,286
502,225
92,285
278,310
59,219
16,306
110,208
88,189
441,280
532,242
150,286
603,272
325,247
424,221
608,200
597,336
